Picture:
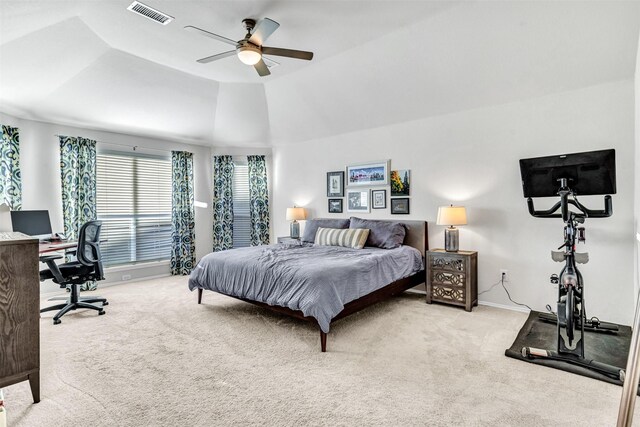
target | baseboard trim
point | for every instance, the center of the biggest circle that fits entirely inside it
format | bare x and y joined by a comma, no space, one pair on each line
137,279
487,303
504,307
138,266
102,285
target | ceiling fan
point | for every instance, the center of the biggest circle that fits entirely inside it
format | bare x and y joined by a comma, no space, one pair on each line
250,49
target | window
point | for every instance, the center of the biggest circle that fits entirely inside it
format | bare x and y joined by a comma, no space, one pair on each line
241,216
133,201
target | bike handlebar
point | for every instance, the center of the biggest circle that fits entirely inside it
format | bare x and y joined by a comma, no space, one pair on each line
585,212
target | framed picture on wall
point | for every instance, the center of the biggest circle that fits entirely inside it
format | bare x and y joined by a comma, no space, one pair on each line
335,184
400,182
335,205
370,174
378,199
358,201
400,206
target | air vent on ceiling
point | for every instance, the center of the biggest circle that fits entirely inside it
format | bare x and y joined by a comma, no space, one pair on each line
149,12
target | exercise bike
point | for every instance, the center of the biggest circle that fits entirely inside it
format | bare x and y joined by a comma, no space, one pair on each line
570,279
571,319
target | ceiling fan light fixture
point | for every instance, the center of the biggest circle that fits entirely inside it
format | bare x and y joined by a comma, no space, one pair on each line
249,55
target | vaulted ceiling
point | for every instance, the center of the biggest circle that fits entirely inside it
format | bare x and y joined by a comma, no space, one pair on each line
95,64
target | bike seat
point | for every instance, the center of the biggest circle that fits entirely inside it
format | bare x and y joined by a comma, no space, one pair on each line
558,256
581,258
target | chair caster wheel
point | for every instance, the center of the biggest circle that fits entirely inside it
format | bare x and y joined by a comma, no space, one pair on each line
57,321
105,303
101,312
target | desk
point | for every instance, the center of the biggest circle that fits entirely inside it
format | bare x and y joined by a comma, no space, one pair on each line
55,246
19,312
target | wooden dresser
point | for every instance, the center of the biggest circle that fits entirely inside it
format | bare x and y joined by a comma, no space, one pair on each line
19,311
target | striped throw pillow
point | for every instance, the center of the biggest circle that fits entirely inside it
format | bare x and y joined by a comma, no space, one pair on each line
346,237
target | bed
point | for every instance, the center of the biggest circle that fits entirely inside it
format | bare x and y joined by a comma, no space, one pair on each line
319,284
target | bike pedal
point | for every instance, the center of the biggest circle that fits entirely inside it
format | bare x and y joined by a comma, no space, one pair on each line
581,257
558,256
554,279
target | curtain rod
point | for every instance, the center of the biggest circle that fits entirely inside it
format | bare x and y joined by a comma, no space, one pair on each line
134,147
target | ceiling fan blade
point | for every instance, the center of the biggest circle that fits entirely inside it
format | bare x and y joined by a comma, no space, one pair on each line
289,53
270,62
216,57
202,32
262,68
263,30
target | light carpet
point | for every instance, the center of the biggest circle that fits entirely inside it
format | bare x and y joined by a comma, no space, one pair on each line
158,359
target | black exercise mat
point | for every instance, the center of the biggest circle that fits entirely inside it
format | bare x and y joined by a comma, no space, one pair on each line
608,348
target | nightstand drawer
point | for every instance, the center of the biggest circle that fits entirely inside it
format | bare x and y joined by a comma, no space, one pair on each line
448,262
447,278
447,294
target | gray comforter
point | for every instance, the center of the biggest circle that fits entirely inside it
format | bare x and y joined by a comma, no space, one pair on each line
317,280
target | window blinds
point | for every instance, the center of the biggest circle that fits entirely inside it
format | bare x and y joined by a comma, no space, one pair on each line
241,218
133,200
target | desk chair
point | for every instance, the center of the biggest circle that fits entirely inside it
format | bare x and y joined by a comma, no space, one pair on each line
87,267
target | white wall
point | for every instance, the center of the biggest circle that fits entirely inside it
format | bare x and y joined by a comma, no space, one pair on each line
637,175
41,188
471,158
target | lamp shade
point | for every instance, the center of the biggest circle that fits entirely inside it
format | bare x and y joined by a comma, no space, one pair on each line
295,214
452,215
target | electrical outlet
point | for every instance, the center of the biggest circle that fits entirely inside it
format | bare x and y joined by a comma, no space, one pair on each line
126,277
504,273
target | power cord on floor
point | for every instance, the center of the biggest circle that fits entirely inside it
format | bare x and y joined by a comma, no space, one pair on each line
490,287
501,282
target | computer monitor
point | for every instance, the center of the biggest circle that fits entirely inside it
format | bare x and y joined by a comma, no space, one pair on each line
588,173
32,223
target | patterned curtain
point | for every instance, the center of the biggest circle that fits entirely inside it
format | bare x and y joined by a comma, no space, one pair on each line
183,238
78,172
258,200
10,179
222,203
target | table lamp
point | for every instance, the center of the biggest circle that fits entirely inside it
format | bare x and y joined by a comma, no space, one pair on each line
451,215
295,214
5,218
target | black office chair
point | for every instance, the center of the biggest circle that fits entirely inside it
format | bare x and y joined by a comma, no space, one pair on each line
87,267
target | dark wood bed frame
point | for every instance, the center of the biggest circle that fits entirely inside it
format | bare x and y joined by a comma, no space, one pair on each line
417,236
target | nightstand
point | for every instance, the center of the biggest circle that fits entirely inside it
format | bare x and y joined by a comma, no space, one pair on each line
286,239
452,277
